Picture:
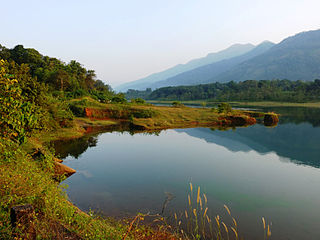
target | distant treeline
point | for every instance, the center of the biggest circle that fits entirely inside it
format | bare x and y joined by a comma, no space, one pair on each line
250,90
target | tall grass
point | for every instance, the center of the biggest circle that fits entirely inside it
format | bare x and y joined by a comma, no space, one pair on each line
196,224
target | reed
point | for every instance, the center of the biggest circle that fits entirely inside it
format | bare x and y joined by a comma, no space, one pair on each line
266,229
196,224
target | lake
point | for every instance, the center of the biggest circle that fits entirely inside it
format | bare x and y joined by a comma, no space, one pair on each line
256,171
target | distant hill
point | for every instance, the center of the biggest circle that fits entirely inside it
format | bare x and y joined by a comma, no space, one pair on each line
233,51
295,58
204,74
249,90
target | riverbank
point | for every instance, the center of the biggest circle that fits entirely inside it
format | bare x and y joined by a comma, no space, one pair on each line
150,117
35,206
28,179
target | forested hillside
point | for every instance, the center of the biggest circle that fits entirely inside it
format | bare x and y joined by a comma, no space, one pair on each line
250,90
71,80
230,52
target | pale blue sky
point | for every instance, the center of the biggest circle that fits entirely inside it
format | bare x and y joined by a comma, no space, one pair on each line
125,40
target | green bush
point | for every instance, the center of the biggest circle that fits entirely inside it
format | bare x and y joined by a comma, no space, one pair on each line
78,111
138,101
177,104
224,108
119,98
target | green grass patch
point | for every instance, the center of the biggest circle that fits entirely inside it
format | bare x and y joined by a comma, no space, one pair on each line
24,180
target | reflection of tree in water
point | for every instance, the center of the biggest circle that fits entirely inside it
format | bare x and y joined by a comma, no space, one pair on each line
74,147
297,115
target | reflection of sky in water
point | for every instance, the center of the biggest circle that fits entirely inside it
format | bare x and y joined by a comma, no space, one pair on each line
246,169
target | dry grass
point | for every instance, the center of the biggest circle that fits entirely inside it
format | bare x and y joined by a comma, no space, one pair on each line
196,224
182,117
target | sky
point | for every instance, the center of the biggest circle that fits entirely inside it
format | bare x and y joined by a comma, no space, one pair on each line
125,40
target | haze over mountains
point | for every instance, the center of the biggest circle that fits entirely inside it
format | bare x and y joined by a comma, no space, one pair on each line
204,74
294,58
232,51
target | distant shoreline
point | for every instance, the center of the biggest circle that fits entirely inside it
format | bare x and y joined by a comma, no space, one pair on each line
244,104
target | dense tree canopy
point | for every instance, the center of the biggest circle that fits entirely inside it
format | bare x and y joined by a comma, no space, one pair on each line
250,90
72,78
34,89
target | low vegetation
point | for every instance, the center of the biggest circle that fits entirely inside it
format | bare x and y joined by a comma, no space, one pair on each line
195,222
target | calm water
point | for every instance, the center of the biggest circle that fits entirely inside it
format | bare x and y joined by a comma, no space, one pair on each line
256,171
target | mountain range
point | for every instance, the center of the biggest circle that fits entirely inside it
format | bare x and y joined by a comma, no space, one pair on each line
232,51
295,58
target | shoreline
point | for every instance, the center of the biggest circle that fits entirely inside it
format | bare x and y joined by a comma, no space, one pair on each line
162,118
243,103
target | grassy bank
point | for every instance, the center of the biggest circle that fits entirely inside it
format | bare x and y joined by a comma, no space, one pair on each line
29,179
150,117
25,179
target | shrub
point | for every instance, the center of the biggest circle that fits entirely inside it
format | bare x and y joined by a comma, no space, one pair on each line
177,104
119,98
138,101
224,108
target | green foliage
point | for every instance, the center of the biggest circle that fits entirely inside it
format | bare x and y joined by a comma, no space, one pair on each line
60,113
72,78
250,90
78,111
131,93
25,104
177,104
77,106
19,113
138,101
119,98
224,108
29,180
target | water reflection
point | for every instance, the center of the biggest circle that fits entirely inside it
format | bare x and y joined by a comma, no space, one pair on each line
75,147
300,143
249,169
297,137
296,115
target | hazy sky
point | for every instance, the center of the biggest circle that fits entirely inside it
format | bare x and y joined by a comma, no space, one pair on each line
124,40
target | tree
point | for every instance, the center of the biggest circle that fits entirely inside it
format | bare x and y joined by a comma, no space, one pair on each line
59,79
90,79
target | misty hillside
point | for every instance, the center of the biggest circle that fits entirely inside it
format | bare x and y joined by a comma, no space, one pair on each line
295,58
205,73
232,51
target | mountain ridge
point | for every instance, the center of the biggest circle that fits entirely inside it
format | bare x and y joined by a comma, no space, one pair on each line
203,74
232,51
295,58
